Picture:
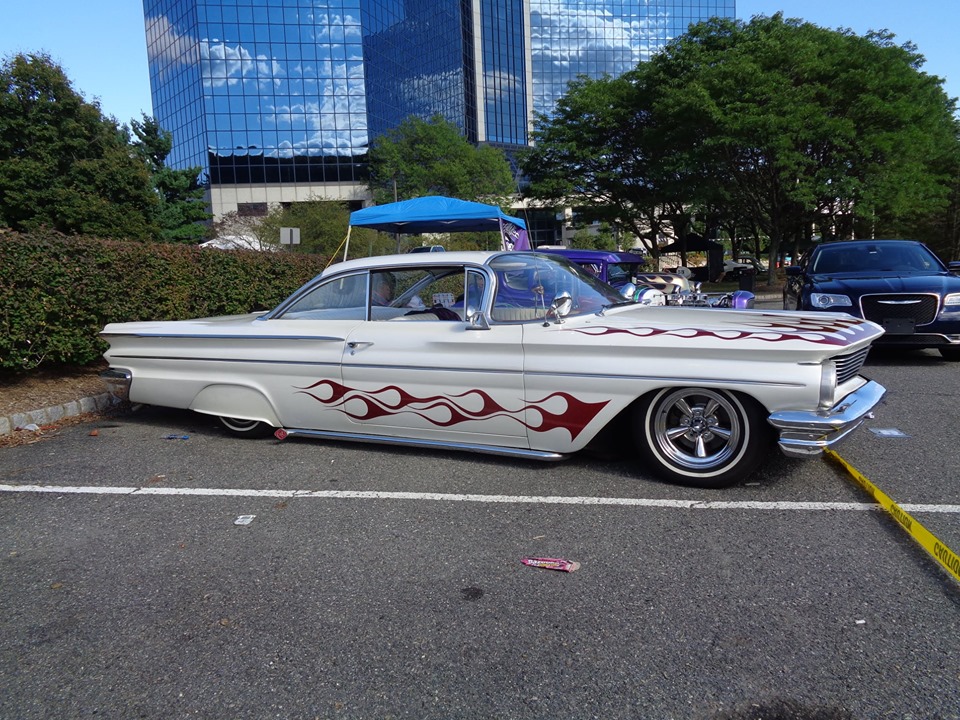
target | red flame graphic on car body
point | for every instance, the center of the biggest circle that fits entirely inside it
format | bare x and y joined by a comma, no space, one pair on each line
380,403
814,331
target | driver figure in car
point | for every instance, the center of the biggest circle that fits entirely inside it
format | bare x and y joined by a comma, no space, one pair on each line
384,286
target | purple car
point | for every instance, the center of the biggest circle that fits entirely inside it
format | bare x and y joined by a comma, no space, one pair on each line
614,268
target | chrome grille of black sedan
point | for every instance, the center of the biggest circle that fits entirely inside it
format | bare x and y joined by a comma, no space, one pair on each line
922,309
849,365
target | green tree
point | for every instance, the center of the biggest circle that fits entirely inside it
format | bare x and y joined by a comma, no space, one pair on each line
430,157
601,239
794,125
62,163
473,241
250,230
323,230
181,211
946,228
777,124
600,151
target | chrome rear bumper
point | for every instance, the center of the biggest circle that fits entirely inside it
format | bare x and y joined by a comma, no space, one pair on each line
806,434
117,382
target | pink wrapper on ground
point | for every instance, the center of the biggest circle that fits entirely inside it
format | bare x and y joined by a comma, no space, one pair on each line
551,564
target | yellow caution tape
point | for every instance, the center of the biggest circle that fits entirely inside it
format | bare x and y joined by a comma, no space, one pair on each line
928,541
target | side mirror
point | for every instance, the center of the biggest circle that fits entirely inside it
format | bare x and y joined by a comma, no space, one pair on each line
793,271
629,291
478,321
562,305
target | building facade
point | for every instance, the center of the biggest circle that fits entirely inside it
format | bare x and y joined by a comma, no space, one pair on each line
277,100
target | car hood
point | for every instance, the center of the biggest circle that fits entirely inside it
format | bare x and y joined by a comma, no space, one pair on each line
863,283
720,329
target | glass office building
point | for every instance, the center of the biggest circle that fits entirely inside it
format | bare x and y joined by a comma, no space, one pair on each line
277,100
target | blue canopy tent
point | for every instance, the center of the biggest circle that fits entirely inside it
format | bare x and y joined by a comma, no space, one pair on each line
433,214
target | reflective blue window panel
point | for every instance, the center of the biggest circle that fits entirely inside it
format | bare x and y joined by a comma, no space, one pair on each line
414,55
255,90
604,37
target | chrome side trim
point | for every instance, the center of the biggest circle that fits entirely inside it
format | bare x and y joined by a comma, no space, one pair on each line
256,361
807,434
199,336
699,382
431,444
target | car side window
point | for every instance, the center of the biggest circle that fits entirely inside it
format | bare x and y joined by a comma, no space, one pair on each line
342,298
431,294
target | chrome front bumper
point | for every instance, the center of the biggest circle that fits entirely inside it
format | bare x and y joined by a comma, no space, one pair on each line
117,382
807,434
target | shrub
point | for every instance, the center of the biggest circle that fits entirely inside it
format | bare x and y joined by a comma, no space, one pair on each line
57,292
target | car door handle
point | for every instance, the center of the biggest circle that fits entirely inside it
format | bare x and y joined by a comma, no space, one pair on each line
355,345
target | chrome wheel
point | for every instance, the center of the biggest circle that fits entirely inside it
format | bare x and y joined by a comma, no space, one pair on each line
703,437
245,428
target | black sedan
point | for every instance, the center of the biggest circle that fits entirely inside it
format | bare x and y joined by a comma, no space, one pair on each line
899,284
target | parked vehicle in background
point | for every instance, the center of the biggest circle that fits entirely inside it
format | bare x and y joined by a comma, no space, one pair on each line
614,268
428,248
732,269
899,284
668,289
625,272
514,353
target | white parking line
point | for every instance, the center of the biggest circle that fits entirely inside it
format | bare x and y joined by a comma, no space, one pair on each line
455,497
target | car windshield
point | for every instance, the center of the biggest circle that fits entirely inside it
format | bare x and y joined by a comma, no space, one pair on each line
528,284
877,257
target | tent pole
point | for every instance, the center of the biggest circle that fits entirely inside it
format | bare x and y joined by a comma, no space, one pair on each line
346,246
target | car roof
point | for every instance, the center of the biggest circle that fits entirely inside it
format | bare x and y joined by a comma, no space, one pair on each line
594,255
858,242
423,259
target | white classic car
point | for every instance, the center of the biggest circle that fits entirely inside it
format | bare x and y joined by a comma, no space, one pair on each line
514,353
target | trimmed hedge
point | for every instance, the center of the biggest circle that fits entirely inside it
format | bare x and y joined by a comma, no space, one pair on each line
57,292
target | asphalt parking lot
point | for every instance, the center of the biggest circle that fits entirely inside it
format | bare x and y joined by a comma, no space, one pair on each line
380,582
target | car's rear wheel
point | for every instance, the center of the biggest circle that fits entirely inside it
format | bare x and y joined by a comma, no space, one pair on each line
951,353
245,428
702,437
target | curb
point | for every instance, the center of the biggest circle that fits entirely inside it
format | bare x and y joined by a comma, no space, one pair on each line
54,413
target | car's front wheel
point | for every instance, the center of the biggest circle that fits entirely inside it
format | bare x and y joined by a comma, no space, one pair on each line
245,428
701,437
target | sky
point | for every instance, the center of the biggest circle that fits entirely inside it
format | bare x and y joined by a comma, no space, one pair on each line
101,45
